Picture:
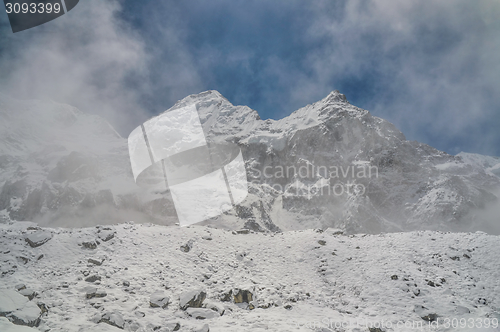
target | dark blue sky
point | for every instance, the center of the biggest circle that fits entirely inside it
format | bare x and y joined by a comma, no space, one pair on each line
431,68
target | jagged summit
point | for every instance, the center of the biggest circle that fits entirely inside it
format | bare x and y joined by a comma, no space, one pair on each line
336,96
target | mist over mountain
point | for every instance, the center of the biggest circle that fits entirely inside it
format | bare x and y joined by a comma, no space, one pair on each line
329,164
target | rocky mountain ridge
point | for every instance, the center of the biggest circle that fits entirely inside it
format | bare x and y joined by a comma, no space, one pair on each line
308,170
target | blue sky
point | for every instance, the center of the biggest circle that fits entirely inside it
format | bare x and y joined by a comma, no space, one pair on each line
430,67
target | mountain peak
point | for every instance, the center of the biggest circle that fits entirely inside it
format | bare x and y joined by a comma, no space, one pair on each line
336,96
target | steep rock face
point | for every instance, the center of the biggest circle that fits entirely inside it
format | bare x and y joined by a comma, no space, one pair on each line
329,164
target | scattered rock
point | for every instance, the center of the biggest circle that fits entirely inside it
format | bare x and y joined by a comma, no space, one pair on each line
201,313
106,235
38,238
93,292
43,307
94,261
173,326
28,315
19,287
192,299
159,300
90,244
375,329
29,293
243,231
433,284
394,277
227,297
188,246
242,296
430,317
126,284
18,309
113,319
206,237
322,242
93,278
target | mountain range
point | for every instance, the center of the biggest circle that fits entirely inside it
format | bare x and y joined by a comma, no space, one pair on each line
329,164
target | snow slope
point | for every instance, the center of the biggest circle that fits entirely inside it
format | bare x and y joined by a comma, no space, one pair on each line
298,280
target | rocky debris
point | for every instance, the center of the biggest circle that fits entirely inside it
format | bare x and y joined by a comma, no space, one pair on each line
206,237
173,326
29,293
188,246
18,309
93,278
7,326
126,284
90,244
202,313
243,231
19,287
159,300
97,262
227,297
38,238
29,315
43,307
322,242
23,259
106,235
92,292
242,296
214,306
425,313
394,277
113,319
192,299
430,317
375,329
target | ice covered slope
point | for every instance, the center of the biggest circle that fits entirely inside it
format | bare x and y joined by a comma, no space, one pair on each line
140,278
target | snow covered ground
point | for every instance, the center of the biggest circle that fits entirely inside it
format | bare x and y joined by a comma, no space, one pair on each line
136,277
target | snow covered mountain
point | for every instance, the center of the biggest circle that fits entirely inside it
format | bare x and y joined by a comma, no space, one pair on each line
329,164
